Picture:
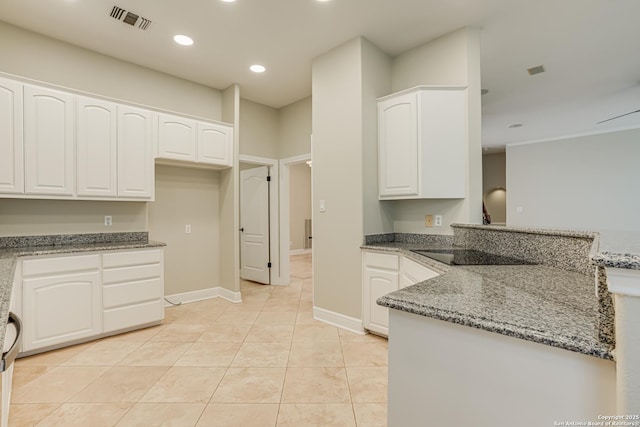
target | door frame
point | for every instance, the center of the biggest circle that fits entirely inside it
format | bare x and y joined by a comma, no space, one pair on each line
274,224
285,164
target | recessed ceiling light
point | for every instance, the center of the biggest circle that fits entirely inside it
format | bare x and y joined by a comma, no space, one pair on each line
228,1
183,40
257,68
516,125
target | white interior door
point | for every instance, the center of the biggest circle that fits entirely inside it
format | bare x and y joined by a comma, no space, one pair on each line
254,224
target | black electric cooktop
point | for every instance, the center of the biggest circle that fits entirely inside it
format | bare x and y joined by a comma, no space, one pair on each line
470,257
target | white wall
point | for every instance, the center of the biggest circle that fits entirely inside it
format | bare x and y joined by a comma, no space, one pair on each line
453,59
33,56
299,203
585,183
258,129
337,178
187,196
294,134
376,82
20,217
230,198
345,85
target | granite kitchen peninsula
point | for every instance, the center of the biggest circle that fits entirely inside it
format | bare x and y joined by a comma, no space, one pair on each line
501,341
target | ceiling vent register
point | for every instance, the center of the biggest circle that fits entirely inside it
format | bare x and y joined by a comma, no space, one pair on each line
130,18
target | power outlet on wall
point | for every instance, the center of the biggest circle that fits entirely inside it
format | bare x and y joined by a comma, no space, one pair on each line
428,220
187,229
108,221
438,220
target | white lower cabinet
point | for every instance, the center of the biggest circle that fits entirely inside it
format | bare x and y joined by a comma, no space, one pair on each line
384,273
67,299
62,299
380,275
133,289
413,273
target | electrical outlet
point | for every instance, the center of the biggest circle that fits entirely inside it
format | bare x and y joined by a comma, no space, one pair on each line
187,229
428,220
438,220
108,221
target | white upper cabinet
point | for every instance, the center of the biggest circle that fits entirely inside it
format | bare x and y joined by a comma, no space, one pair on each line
49,141
135,153
180,138
422,144
176,138
215,144
96,147
11,140
67,146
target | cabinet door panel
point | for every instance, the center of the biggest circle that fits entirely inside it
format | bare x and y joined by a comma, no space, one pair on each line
96,148
176,138
380,283
398,146
61,309
135,153
215,144
11,138
49,141
443,141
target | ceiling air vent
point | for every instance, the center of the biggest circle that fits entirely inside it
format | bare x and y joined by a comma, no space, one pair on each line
130,18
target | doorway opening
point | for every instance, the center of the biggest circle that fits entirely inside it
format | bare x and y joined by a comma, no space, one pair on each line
296,225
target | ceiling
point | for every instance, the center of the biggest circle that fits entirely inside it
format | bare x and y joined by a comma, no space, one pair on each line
589,49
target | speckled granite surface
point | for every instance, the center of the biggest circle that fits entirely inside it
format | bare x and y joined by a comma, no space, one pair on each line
553,304
13,247
430,240
568,250
536,303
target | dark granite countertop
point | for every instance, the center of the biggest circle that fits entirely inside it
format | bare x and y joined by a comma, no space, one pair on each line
11,248
539,303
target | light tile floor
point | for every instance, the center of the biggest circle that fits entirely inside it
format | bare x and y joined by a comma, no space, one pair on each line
264,362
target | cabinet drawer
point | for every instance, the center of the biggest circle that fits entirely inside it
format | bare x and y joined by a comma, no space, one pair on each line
386,261
130,293
133,315
66,264
129,274
123,259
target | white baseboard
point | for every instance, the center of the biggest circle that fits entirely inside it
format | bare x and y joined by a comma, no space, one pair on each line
203,294
340,320
234,297
299,251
